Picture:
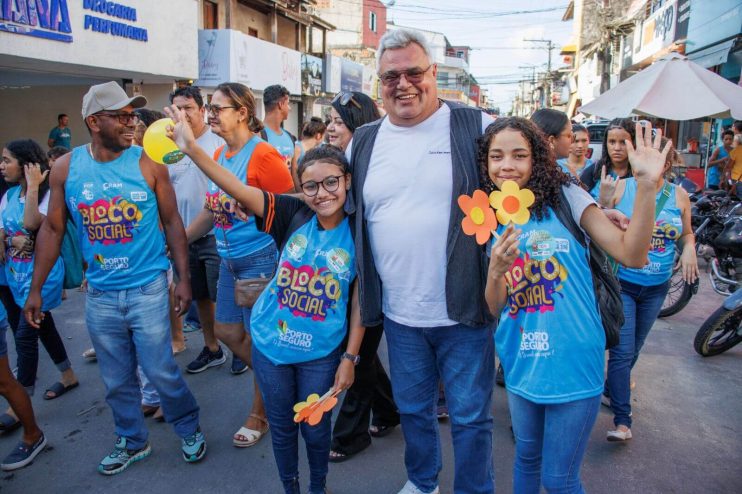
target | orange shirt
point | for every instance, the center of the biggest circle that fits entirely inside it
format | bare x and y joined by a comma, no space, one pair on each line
735,156
266,170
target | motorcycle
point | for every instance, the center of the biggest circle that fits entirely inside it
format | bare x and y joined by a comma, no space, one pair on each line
723,329
708,214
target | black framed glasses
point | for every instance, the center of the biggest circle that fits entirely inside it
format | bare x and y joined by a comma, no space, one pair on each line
413,76
330,184
216,109
123,118
345,98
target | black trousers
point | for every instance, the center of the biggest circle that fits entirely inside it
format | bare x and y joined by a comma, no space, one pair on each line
371,391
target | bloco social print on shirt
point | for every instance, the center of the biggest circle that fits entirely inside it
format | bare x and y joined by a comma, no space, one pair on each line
536,278
222,207
110,221
663,233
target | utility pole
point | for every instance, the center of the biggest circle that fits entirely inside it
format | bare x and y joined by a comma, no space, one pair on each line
549,46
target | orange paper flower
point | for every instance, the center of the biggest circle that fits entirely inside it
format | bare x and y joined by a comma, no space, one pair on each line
311,410
479,219
304,409
512,203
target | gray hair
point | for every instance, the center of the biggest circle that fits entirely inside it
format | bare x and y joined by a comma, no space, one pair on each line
395,39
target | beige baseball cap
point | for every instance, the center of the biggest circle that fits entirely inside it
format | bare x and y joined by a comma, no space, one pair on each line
108,96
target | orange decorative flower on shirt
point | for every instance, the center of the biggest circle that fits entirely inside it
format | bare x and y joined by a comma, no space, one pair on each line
479,219
512,203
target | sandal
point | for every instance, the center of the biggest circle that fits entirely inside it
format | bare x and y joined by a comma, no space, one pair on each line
8,423
58,389
246,437
338,457
381,430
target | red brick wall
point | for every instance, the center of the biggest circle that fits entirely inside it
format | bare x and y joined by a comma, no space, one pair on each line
370,38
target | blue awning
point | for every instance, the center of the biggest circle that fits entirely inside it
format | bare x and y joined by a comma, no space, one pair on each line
713,55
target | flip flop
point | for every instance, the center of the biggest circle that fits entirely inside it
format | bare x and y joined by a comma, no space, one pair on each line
381,430
58,389
8,423
246,437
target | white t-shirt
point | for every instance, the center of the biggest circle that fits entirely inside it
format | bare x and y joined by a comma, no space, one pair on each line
189,181
43,205
407,206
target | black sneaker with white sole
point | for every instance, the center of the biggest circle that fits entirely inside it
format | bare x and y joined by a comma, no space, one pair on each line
206,359
23,454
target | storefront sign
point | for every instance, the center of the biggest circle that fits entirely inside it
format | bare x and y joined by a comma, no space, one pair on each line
226,55
658,31
107,26
48,19
351,76
713,22
311,75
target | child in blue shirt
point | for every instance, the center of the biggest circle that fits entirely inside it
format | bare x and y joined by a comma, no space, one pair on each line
550,337
299,322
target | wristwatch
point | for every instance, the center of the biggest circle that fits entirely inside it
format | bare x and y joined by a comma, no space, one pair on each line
353,358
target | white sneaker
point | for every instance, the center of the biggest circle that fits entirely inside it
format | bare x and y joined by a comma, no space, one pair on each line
410,488
619,435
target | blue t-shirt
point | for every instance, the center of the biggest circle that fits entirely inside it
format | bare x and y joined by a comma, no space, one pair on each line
283,143
562,162
234,238
302,313
117,219
713,175
668,228
550,338
19,265
61,137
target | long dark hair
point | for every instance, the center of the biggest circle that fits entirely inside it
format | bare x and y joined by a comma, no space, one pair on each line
605,160
354,116
546,177
551,122
28,151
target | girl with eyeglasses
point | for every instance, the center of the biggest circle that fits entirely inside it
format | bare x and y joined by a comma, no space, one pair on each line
601,178
300,321
245,251
371,394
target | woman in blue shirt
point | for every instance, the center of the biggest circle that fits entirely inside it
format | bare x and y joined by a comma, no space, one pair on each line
23,209
577,159
643,290
601,178
550,337
299,322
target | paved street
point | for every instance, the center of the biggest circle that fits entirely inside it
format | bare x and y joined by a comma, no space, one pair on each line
687,434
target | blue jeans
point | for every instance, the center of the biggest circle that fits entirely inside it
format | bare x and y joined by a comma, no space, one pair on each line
462,357
260,264
130,326
282,386
641,306
550,442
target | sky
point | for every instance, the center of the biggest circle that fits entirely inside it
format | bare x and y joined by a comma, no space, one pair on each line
496,29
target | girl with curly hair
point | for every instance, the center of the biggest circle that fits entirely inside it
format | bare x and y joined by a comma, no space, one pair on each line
550,337
601,178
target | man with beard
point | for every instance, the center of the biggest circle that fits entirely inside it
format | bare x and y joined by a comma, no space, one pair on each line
124,209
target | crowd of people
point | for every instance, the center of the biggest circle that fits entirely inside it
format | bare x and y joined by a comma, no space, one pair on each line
301,253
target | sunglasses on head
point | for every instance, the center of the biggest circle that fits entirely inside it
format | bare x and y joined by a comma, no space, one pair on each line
345,98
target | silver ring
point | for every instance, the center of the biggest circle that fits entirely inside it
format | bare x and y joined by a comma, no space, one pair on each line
508,253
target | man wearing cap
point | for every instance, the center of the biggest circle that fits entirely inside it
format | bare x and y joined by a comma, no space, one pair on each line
124,209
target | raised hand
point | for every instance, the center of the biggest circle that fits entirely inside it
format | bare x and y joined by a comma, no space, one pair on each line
34,176
647,160
181,132
608,185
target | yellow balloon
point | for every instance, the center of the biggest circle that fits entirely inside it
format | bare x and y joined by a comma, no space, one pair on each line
158,146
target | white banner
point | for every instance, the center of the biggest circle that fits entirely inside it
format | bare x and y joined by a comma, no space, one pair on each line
226,55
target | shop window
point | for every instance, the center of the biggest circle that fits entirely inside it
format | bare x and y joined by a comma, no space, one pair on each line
211,15
459,54
372,21
251,31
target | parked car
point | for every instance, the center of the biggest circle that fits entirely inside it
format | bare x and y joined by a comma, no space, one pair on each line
597,134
